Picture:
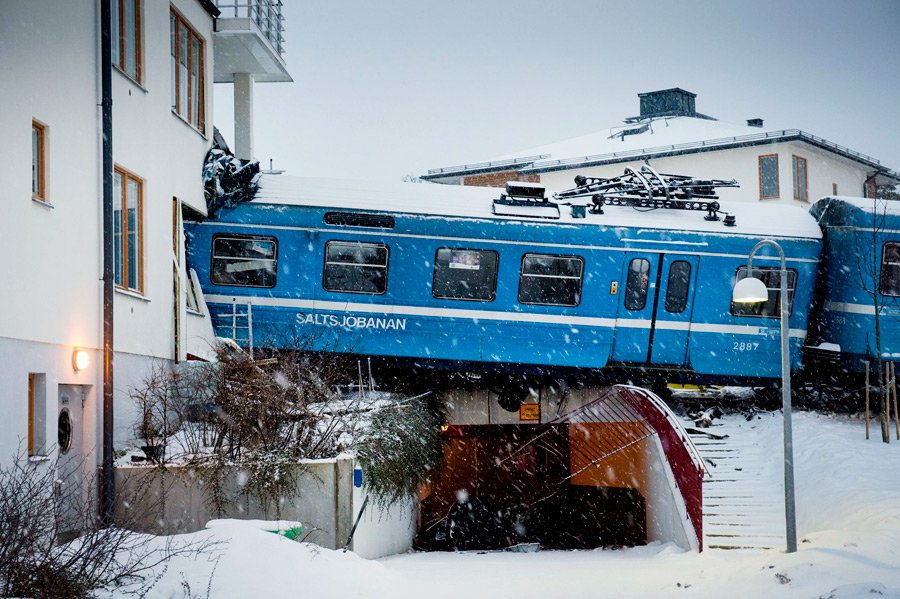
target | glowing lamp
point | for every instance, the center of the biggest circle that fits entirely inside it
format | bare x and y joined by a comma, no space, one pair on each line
749,291
80,360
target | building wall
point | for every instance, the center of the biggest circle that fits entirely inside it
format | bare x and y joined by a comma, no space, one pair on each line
161,148
51,291
824,170
51,299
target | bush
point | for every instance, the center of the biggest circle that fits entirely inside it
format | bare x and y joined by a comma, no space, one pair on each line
33,518
402,449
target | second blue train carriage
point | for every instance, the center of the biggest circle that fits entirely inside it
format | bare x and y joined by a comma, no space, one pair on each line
860,272
430,274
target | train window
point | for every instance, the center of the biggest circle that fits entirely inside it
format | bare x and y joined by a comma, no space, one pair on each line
354,267
677,287
551,280
890,269
769,308
636,284
465,274
244,261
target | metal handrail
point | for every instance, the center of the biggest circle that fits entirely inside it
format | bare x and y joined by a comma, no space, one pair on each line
266,14
492,164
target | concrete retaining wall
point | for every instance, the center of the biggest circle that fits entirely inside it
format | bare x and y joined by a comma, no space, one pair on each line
175,500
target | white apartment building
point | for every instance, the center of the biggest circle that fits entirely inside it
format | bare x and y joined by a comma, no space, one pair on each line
166,55
784,166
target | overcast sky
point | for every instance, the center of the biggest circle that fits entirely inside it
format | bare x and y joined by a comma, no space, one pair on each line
387,87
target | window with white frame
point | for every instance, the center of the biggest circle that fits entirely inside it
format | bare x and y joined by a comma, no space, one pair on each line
126,37
187,71
128,191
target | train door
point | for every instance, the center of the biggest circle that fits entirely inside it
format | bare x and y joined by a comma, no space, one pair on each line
655,306
674,305
634,318
70,465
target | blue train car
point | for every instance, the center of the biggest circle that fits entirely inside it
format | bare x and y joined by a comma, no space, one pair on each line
429,274
860,271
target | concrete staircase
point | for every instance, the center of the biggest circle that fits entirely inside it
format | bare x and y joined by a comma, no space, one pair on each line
742,509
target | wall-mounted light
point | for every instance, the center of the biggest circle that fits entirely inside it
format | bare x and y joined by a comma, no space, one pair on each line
80,360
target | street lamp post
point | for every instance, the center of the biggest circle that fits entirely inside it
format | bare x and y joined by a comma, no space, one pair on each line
753,290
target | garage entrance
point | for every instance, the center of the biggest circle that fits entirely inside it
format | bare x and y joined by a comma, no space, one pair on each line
616,471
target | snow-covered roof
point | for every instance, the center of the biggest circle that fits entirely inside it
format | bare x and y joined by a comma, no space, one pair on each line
652,137
753,218
660,132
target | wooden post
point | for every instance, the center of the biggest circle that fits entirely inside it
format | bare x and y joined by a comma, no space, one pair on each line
894,389
867,399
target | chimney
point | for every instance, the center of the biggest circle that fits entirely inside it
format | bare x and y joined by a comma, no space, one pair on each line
668,102
758,123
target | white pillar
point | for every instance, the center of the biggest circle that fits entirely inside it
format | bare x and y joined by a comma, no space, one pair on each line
243,115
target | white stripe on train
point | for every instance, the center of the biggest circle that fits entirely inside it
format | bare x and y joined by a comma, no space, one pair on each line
497,315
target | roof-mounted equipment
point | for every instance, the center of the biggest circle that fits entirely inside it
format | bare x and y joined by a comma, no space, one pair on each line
648,190
525,199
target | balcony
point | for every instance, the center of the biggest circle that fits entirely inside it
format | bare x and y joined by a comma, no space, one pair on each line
248,39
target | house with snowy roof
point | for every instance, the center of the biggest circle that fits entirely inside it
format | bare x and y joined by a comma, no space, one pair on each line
786,166
154,77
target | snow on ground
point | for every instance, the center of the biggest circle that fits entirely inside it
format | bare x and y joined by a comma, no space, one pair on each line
848,503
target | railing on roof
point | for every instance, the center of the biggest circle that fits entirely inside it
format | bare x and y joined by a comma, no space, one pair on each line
722,141
265,13
493,164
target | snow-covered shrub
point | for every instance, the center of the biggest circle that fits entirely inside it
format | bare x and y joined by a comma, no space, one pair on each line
402,448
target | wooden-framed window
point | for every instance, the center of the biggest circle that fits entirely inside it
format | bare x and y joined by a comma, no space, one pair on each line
128,221
38,161
798,170
37,414
126,37
188,68
768,177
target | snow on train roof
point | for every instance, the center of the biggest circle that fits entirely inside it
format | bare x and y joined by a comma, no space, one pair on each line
753,218
869,205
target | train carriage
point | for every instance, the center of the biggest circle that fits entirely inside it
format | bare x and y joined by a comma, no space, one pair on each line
436,276
860,270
